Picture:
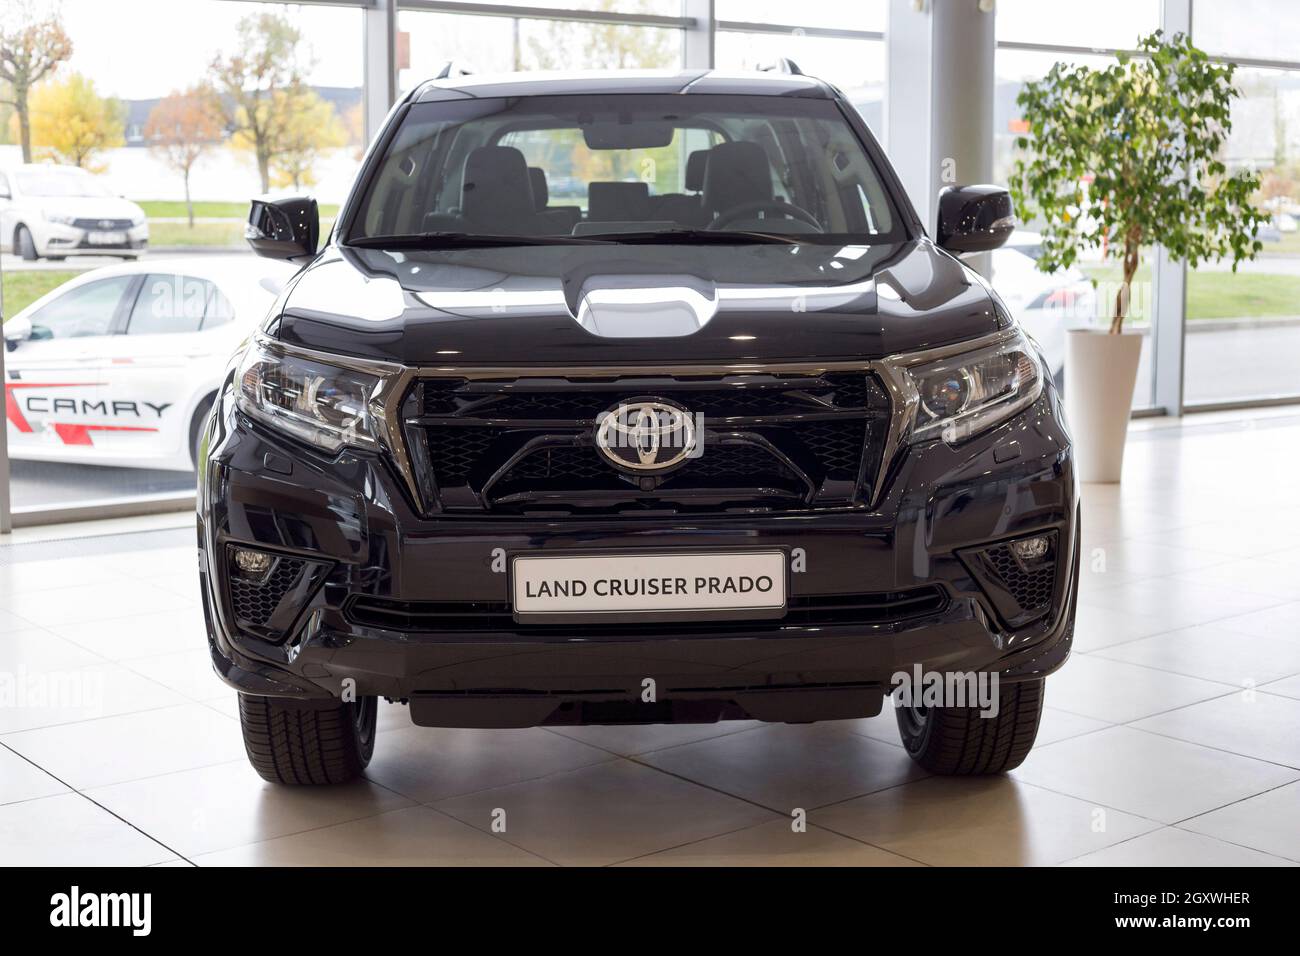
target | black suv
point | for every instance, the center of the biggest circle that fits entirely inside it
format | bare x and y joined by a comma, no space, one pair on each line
629,398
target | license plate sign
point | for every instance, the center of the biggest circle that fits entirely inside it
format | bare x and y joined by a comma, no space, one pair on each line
649,584
106,238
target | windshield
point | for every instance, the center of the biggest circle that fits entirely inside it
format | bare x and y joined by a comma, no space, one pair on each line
59,183
632,167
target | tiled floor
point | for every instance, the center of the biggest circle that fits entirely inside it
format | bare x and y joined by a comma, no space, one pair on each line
1172,736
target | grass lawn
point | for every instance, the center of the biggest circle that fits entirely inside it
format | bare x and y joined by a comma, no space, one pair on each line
211,234
1225,295
21,289
167,209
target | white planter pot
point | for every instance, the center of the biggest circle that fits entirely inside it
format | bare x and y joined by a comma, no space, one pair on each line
1100,373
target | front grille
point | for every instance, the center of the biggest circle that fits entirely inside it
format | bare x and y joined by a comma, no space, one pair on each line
522,445
871,608
1030,585
254,601
1020,590
102,224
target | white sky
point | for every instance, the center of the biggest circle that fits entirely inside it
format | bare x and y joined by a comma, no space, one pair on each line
136,49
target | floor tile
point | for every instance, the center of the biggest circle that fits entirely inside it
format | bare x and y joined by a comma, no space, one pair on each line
189,673
1117,692
1130,559
1283,620
785,766
69,830
1148,775
21,780
1255,575
1246,539
1290,687
1261,725
980,821
433,763
10,622
154,562
774,844
94,753
631,739
1180,603
48,698
139,635
229,805
1214,652
1058,724
1174,847
606,813
31,577
1097,627
1267,822
391,716
883,727
42,650
414,836
92,603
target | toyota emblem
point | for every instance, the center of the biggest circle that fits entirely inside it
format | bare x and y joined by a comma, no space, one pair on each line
647,436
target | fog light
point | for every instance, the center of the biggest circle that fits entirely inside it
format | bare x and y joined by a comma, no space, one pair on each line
1031,549
253,564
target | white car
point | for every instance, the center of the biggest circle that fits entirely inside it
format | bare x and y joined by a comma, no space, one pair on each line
1045,304
120,365
51,212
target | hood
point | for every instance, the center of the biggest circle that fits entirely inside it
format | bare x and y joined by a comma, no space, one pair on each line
630,304
89,207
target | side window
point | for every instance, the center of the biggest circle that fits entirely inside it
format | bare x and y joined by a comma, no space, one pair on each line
80,312
219,311
169,303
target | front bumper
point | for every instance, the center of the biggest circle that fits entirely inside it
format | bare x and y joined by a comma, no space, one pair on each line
57,239
365,547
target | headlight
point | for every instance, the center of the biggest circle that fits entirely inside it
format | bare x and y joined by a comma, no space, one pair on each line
961,395
327,405
63,219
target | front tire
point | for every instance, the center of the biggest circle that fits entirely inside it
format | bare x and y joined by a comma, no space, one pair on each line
292,744
959,741
26,244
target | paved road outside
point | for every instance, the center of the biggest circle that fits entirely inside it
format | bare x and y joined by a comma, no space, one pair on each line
40,483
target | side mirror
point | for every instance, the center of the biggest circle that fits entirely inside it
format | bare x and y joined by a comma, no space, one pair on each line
284,229
974,218
17,331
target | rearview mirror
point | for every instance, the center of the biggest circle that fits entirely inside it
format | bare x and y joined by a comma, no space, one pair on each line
17,331
974,218
606,135
284,228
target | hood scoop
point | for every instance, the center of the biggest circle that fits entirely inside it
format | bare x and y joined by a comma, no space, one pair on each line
643,306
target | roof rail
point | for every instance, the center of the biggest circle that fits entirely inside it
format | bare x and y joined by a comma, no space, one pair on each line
783,65
452,68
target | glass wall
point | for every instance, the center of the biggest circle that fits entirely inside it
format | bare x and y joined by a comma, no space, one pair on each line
496,44
105,387
1243,328
1048,304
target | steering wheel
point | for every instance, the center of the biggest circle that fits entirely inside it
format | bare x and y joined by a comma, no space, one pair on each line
766,205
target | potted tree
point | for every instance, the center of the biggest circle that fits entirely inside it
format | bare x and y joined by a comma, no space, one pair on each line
1115,160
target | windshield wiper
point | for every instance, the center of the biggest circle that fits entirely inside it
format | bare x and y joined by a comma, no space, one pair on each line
718,236
460,240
